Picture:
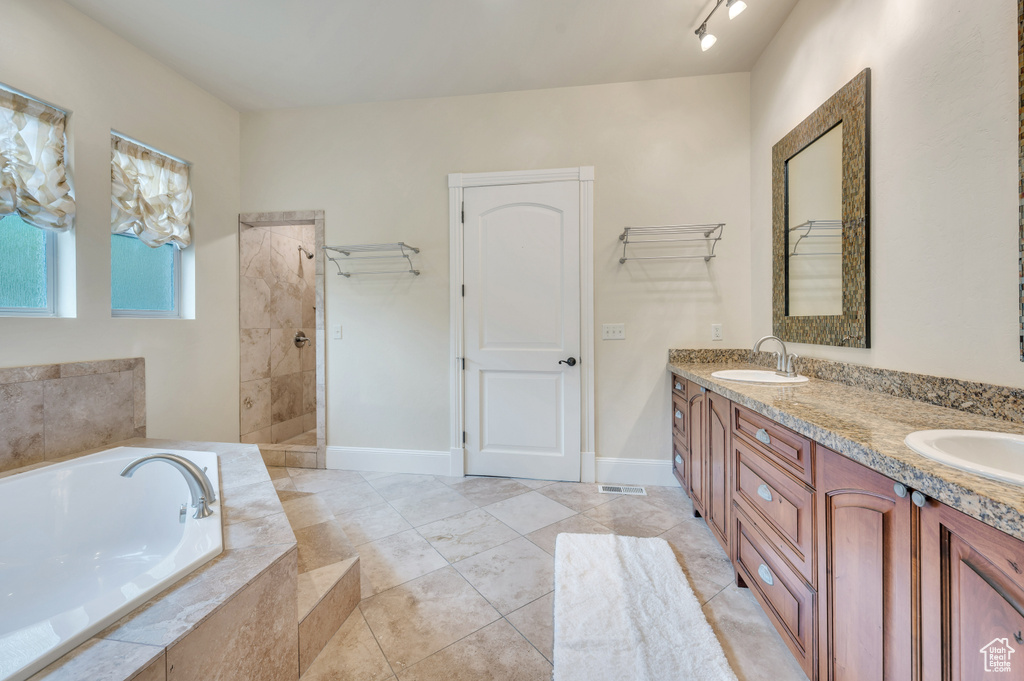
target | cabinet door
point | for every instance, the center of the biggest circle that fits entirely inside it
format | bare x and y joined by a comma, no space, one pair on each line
865,580
718,466
696,428
972,596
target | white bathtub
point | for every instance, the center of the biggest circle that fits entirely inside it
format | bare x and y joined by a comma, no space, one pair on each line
80,546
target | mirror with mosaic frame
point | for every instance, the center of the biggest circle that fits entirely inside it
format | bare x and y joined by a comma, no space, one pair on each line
840,317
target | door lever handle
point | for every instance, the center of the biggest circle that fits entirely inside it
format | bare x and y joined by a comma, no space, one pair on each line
571,361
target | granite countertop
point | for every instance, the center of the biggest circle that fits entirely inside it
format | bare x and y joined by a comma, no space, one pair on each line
256,536
869,427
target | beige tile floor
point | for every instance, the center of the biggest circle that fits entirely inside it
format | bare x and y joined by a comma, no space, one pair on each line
457,573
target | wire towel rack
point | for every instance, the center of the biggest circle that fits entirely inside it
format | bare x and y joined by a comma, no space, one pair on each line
708,234
404,251
816,229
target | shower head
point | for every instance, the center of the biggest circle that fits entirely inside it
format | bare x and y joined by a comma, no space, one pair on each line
308,255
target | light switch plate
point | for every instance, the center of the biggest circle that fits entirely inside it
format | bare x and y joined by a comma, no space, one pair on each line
613,332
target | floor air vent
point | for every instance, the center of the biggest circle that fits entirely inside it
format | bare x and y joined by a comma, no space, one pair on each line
620,489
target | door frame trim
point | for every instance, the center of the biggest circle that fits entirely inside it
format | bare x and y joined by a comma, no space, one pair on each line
457,183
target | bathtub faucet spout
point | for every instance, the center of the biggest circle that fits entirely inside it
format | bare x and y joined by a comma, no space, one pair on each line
199,484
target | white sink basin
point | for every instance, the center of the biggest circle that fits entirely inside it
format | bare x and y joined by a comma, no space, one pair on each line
999,456
756,376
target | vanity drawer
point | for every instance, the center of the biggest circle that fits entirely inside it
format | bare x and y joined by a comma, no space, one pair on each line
791,450
679,416
681,462
781,506
787,600
678,385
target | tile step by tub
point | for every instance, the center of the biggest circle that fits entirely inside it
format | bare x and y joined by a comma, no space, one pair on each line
327,593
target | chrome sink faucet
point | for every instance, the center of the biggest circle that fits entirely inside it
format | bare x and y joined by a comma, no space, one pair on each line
199,484
784,365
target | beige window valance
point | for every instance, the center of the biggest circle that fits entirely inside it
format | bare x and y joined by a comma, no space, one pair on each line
151,196
33,178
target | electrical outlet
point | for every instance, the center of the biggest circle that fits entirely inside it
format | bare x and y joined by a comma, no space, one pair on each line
336,332
716,332
613,332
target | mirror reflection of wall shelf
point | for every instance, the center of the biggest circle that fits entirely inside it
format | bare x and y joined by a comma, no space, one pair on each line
673,242
391,253
816,229
820,223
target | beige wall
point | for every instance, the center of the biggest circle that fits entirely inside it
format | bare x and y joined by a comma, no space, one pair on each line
664,151
943,234
55,53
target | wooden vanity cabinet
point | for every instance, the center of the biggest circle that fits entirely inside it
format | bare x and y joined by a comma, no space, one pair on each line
700,452
717,449
696,424
972,598
865,580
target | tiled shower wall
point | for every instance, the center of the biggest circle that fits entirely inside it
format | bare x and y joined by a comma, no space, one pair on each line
277,298
50,411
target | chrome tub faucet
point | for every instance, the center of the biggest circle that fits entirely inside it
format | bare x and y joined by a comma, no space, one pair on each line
199,484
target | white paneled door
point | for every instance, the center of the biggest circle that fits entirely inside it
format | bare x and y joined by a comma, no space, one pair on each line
522,330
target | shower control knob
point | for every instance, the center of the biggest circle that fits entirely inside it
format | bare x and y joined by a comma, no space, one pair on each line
571,361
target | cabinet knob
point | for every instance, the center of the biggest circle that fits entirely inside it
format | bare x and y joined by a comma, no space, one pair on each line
679,459
919,499
765,492
900,489
763,436
679,414
765,574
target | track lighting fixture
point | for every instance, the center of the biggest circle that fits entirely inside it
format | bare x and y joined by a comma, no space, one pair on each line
707,39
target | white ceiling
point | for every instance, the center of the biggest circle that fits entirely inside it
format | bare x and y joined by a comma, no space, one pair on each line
265,54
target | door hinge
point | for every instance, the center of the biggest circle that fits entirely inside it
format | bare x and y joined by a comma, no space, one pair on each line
463,437
463,290
463,212
463,363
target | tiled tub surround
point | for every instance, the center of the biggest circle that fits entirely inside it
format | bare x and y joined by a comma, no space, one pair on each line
74,562
868,425
233,618
50,411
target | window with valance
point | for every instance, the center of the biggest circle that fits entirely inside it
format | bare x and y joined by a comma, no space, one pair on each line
150,217
36,202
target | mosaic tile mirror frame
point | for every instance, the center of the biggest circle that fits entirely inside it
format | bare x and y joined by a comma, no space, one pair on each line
851,107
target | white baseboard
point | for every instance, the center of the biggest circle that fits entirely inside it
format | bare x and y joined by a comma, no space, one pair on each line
588,468
458,462
655,472
421,461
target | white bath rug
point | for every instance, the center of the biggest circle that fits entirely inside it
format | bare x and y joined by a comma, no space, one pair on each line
625,612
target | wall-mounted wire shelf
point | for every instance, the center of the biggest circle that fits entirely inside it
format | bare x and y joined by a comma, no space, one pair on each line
707,234
815,229
404,251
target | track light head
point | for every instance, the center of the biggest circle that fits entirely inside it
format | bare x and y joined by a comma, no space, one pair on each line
735,7
706,39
